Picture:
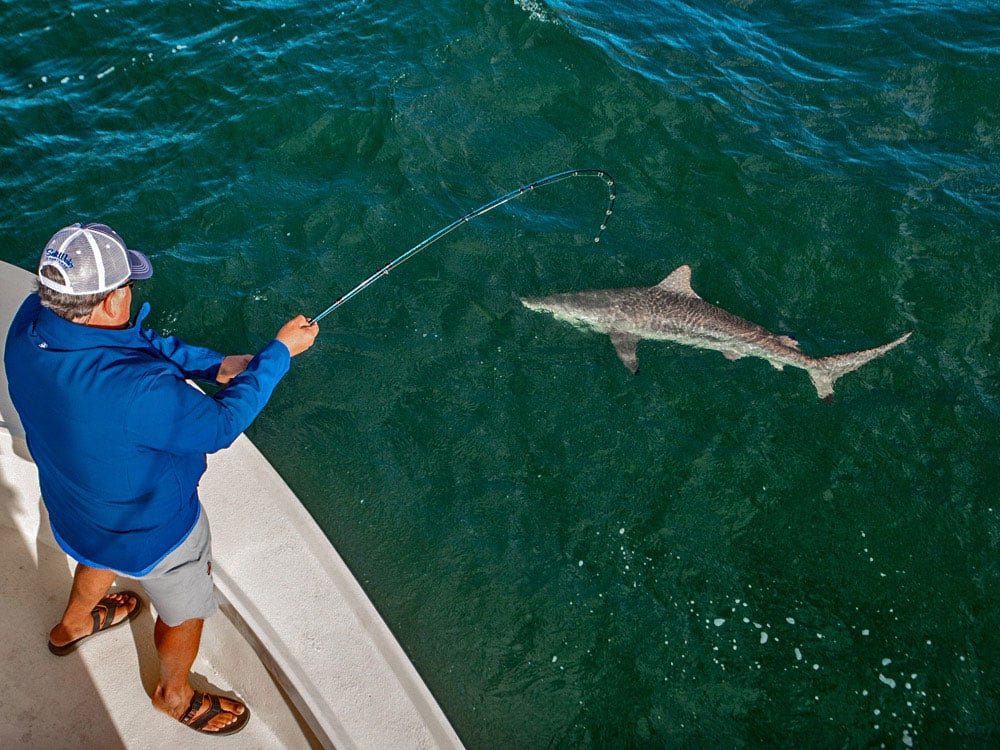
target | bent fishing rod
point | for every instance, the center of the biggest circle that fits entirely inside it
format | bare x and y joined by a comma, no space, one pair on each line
472,215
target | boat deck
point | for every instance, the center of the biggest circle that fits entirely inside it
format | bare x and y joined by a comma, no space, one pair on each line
98,696
325,673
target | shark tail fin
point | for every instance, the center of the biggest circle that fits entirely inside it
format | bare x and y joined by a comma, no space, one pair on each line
826,370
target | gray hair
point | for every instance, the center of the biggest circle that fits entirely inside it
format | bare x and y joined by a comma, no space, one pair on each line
69,306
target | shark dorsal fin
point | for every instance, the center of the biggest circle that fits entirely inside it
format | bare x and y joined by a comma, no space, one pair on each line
679,282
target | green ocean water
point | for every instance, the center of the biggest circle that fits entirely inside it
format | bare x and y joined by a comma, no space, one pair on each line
704,555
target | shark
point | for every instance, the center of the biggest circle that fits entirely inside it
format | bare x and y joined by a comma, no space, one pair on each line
673,311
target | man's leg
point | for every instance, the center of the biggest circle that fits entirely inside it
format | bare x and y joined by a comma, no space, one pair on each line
177,648
90,585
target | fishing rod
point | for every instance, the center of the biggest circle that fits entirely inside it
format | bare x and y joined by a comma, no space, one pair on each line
473,214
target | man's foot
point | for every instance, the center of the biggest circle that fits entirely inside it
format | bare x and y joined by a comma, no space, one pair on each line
114,609
211,714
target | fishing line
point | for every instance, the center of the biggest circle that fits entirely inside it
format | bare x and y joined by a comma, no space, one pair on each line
472,215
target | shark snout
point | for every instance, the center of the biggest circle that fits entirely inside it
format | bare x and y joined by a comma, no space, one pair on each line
538,303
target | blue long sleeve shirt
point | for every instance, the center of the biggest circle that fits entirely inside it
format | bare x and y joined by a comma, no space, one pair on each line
118,435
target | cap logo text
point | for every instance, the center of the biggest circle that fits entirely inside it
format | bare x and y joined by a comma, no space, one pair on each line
59,257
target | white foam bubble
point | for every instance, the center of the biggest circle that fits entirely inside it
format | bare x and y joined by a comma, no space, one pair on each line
719,622
887,680
105,72
798,654
536,11
790,620
763,637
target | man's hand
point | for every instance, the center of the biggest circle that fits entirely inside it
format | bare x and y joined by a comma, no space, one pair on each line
232,366
298,334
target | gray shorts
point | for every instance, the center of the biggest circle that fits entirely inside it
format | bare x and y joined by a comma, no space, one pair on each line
181,586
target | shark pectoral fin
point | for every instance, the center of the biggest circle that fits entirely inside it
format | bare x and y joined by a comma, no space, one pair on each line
823,381
625,344
789,342
731,355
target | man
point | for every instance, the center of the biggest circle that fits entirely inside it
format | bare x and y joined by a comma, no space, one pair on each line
119,439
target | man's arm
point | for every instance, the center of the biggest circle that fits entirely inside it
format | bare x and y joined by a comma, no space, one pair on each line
169,415
297,334
201,363
197,362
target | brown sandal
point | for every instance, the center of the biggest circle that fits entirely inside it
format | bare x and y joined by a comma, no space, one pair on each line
110,607
198,722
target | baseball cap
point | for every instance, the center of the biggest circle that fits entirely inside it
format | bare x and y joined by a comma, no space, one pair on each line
92,259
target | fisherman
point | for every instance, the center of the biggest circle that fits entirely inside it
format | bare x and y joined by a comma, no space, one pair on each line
119,439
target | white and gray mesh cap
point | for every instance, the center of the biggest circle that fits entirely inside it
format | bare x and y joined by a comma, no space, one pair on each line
91,259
